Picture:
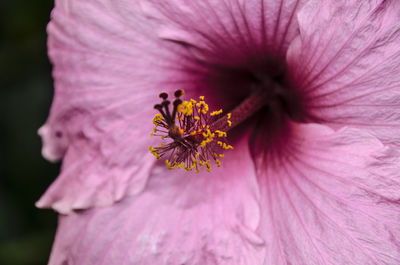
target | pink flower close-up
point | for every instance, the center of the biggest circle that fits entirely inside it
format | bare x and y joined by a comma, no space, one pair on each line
311,90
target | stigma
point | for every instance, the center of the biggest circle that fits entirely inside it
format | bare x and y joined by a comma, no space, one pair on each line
191,135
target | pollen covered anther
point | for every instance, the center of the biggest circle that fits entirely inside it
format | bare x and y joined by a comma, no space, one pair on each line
191,140
193,134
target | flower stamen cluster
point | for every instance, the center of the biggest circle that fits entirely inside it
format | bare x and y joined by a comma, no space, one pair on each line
195,141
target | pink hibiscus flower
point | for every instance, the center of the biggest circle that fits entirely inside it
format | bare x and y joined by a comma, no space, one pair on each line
314,174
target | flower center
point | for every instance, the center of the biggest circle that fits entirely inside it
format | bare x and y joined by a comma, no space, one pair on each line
195,136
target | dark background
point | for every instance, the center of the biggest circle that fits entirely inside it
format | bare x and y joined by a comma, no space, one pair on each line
26,233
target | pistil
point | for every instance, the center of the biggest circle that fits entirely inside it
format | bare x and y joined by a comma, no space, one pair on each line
197,135
243,111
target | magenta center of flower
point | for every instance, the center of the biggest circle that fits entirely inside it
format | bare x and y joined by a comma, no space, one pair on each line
251,84
234,81
198,136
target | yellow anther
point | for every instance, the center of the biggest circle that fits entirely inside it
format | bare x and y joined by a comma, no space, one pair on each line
169,164
190,123
186,108
208,166
204,142
152,134
229,115
217,112
157,119
207,133
227,146
153,151
221,133
180,108
202,105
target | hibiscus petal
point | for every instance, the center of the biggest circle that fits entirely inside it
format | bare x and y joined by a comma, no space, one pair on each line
180,218
346,62
226,45
334,200
108,73
111,58
235,25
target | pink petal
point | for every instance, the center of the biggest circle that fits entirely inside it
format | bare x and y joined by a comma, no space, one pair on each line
101,115
234,26
180,218
334,200
347,63
112,58
225,45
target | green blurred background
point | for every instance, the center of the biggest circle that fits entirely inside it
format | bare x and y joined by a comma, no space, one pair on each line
26,233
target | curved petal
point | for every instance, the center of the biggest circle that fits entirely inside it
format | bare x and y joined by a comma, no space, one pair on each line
111,59
214,25
229,43
334,200
347,63
180,218
105,87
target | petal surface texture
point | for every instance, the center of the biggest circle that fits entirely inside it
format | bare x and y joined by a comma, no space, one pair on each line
112,58
347,63
101,115
180,218
333,200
